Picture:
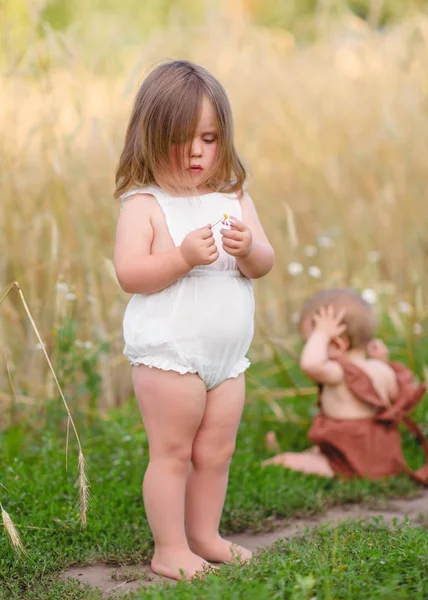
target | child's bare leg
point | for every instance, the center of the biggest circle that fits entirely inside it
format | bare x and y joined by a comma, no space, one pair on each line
310,462
172,407
206,487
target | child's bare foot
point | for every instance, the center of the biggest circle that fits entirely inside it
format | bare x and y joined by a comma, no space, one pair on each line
221,551
184,565
310,461
280,459
271,442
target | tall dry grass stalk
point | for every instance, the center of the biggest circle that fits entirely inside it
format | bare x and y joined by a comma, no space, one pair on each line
12,532
334,134
83,485
82,479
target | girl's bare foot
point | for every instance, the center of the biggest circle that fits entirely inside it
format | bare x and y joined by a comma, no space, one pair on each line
271,443
221,551
181,565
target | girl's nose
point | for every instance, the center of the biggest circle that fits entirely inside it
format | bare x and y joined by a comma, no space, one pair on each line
196,148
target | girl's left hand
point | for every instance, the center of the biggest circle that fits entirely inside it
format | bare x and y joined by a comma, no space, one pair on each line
238,240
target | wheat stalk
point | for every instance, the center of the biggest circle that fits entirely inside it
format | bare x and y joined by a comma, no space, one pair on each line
12,532
83,488
82,480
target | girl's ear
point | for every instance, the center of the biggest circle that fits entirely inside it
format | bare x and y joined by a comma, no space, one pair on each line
338,346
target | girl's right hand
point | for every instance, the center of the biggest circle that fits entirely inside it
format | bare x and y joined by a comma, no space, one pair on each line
198,247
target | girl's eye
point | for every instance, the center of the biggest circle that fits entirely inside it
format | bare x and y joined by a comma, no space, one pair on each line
209,140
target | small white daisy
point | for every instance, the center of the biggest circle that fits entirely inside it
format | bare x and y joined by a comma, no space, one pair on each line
295,317
418,329
314,272
374,256
325,242
405,308
369,296
295,268
310,251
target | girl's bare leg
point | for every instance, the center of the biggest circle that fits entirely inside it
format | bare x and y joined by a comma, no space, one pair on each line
309,461
207,483
172,407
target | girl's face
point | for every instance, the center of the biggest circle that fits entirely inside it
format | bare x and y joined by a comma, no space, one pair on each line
200,152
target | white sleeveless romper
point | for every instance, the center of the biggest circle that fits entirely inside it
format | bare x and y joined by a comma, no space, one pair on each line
204,322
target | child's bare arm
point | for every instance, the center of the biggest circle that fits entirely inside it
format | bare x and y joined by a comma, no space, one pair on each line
314,360
377,350
140,272
247,241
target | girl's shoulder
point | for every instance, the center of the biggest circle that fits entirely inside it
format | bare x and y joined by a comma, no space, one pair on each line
153,195
150,190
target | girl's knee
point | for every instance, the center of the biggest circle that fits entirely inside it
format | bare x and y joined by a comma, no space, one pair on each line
174,457
214,457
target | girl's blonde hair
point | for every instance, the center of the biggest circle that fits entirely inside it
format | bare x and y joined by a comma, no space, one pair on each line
360,317
165,115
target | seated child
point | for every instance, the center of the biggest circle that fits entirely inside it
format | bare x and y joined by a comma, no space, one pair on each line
362,396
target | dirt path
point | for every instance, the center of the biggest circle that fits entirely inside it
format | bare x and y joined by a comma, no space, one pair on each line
114,582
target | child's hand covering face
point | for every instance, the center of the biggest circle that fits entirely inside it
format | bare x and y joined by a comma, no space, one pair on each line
237,239
328,322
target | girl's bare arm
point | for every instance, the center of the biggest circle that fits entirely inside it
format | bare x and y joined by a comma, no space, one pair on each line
247,241
138,271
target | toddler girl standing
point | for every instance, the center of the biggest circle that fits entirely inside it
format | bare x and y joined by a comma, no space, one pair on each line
189,323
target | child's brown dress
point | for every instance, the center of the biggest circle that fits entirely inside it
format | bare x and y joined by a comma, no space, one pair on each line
371,447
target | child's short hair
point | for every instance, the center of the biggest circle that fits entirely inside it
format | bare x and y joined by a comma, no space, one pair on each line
360,317
165,115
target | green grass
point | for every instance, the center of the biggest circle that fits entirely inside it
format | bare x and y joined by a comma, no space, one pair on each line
41,494
355,561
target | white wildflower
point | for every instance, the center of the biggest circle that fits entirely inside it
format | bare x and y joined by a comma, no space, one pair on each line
79,344
418,329
404,308
91,299
369,296
374,256
61,287
71,296
310,251
314,272
88,344
295,317
295,268
325,242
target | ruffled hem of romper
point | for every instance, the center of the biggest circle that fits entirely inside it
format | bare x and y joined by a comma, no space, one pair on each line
169,365
239,368
158,363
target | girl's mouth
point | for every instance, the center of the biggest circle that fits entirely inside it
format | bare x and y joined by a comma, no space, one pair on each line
195,169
